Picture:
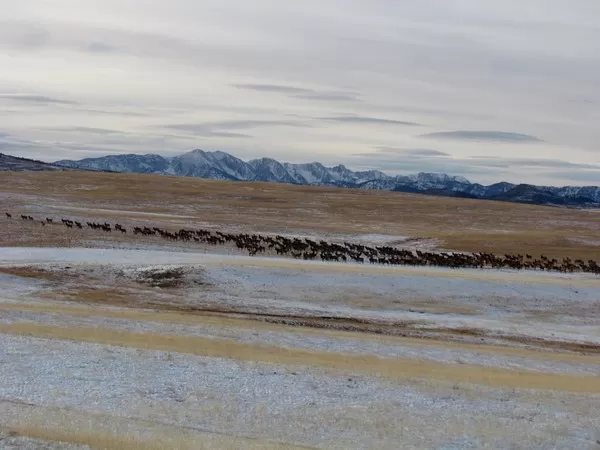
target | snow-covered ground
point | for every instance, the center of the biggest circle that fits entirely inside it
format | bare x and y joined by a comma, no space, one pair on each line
302,406
140,365
562,306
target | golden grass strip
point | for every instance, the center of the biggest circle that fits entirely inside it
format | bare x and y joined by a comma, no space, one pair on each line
222,321
397,369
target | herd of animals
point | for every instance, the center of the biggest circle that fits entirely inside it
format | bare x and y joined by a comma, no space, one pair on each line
309,249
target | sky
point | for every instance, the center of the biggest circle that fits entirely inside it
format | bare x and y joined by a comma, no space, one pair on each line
488,90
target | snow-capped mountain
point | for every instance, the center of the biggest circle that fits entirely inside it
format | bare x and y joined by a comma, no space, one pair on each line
268,169
223,166
121,163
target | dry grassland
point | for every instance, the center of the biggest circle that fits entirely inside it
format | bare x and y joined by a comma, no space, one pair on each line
459,224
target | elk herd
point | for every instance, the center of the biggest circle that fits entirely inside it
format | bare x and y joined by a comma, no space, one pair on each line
309,249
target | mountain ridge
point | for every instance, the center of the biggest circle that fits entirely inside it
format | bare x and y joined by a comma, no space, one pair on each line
9,163
223,166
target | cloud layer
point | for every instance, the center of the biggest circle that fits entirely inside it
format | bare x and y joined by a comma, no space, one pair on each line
467,88
483,136
478,167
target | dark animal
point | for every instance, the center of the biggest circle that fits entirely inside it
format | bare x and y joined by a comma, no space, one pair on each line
359,253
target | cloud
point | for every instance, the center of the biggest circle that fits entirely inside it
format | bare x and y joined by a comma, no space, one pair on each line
244,124
302,93
483,136
101,47
411,151
581,176
547,163
51,149
278,88
221,128
485,168
32,98
368,120
410,165
17,145
123,113
86,130
332,97
205,131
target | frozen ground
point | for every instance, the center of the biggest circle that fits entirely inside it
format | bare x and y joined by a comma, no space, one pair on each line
561,306
122,349
302,406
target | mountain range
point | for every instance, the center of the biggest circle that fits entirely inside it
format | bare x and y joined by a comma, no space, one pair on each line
223,166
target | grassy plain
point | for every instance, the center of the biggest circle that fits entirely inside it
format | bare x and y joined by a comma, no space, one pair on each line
456,224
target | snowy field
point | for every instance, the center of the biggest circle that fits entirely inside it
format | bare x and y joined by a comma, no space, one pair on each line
121,348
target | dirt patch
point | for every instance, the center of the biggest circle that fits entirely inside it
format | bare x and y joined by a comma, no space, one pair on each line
169,276
163,277
31,272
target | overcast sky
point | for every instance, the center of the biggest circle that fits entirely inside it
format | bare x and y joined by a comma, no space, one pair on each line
502,90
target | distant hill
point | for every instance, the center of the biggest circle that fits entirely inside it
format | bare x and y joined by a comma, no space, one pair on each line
9,163
14,163
223,166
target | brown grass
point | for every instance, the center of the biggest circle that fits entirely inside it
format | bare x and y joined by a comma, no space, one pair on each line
461,224
110,296
397,369
30,272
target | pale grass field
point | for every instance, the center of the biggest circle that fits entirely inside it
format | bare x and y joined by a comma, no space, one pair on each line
459,224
